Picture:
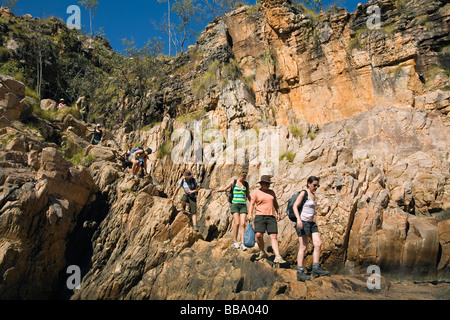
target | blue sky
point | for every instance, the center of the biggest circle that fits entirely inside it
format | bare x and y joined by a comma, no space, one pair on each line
121,18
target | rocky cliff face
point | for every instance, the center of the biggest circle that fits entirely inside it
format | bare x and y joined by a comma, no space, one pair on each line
278,63
41,196
378,191
365,110
331,66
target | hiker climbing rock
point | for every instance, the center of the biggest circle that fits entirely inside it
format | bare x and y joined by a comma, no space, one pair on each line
306,228
239,193
139,161
267,215
191,188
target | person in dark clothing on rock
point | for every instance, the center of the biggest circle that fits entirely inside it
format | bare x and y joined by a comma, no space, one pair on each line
97,138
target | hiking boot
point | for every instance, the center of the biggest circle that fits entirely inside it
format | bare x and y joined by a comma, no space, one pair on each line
236,244
317,271
262,255
301,276
195,228
279,259
243,247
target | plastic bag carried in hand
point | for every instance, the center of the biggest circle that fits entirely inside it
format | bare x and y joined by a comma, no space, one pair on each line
249,236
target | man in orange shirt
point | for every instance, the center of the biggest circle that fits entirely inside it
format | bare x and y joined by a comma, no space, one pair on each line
267,215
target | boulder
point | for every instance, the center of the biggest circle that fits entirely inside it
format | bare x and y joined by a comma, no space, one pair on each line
78,127
101,153
48,104
12,97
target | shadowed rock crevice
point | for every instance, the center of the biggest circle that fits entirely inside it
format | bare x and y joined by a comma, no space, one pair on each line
81,241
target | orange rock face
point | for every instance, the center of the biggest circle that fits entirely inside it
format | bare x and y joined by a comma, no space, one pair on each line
331,66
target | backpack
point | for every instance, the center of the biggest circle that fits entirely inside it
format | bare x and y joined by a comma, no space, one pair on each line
231,195
130,153
290,206
194,184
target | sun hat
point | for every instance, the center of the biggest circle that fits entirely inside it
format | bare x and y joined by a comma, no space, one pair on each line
187,174
265,179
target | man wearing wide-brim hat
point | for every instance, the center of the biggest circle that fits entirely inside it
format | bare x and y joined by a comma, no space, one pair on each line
267,215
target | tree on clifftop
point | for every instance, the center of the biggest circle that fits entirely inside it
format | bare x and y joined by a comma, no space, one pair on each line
89,5
215,7
186,10
169,27
136,69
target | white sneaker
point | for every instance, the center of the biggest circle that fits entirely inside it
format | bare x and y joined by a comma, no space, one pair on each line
243,247
236,244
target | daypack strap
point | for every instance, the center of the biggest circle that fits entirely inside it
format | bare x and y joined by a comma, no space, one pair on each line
192,186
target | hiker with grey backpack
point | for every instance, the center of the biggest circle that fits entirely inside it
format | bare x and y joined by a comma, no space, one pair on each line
303,212
191,187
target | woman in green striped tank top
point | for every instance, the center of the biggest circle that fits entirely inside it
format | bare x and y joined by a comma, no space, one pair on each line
239,210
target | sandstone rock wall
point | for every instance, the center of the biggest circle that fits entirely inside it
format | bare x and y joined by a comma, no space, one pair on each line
293,65
365,110
331,66
380,188
38,212
41,194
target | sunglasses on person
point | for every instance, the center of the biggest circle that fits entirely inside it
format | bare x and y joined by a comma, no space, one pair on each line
315,185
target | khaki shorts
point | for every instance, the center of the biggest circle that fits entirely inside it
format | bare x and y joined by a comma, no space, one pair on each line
191,201
266,223
239,208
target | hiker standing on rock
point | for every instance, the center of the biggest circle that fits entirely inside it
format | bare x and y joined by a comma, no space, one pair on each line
191,188
306,228
82,106
267,215
239,193
97,137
